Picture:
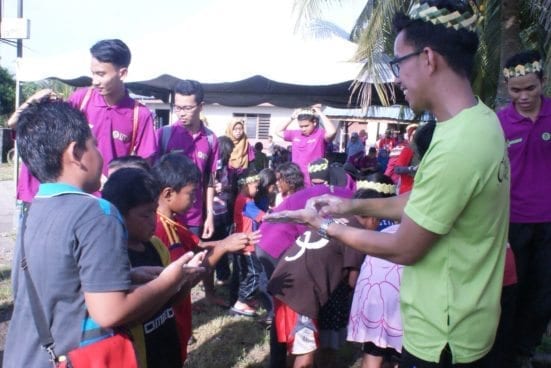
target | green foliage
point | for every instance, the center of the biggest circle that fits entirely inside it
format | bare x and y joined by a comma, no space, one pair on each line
7,94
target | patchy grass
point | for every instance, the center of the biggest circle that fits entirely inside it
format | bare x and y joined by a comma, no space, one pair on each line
6,299
6,171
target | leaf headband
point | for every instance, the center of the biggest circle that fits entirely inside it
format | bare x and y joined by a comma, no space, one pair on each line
436,16
378,187
520,69
248,180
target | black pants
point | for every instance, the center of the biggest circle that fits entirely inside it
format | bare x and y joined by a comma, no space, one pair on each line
410,361
531,244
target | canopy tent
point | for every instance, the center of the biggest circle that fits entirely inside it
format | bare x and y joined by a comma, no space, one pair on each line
286,71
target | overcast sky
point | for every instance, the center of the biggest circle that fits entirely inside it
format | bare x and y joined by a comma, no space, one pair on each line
60,26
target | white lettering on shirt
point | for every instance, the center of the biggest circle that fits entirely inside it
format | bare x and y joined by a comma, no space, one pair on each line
202,155
513,141
119,136
152,325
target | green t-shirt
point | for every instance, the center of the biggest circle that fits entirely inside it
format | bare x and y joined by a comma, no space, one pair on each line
461,191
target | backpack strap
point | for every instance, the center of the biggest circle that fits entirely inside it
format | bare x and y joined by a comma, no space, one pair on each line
135,117
86,98
166,132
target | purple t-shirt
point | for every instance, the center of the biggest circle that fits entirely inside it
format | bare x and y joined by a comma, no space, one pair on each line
203,151
306,149
529,146
112,126
278,237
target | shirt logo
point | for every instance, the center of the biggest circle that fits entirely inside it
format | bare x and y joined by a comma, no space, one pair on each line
513,141
120,136
202,155
546,136
306,244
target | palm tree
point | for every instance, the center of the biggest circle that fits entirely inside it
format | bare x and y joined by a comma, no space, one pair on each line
511,24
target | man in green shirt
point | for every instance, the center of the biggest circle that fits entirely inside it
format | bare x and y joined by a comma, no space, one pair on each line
453,229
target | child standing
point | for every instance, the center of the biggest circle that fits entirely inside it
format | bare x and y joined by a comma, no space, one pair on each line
135,193
75,244
247,217
179,179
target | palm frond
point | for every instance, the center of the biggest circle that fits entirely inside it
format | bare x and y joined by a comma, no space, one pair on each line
374,46
362,20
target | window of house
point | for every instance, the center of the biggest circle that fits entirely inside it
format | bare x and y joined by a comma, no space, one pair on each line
257,126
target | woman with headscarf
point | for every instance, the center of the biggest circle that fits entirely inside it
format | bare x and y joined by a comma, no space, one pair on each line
243,152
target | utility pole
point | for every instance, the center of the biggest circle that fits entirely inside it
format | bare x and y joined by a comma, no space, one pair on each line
18,205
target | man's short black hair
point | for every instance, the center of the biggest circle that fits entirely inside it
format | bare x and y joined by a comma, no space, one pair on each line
258,146
112,51
188,87
458,47
525,57
128,188
175,171
44,131
291,174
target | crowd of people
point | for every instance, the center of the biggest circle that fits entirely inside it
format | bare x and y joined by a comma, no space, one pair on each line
430,248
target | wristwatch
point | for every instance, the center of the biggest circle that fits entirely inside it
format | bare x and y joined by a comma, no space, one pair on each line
322,231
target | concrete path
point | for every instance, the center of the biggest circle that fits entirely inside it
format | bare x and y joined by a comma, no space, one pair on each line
7,221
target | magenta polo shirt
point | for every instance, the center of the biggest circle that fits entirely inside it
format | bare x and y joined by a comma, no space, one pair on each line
203,154
306,149
278,237
112,127
529,146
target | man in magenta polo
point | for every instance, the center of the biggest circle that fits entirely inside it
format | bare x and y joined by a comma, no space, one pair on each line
309,142
526,122
190,136
121,125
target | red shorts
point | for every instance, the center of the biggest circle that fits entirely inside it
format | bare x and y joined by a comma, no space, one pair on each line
300,333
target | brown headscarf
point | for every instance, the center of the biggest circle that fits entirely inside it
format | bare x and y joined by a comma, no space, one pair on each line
239,158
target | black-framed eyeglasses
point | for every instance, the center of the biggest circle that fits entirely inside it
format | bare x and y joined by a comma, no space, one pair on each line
184,108
395,63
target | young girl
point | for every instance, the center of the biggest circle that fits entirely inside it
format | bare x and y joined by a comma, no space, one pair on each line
247,217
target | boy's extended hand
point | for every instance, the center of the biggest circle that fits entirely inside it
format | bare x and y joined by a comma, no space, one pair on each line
238,241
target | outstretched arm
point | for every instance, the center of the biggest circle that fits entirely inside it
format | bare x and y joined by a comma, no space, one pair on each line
390,208
36,97
407,246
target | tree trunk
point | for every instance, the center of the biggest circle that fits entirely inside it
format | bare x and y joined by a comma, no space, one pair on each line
510,43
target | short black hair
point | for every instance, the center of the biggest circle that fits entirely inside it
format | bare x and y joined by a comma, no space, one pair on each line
44,131
457,47
525,57
258,146
133,161
422,138
291,174
112,51
188,87
225,148
175,171
367,194
129,187
267,177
